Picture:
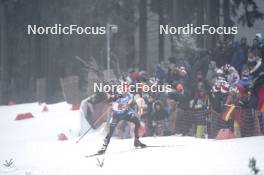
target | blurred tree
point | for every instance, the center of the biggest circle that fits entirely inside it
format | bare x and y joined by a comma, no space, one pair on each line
24,58
4,63
143,33
250,12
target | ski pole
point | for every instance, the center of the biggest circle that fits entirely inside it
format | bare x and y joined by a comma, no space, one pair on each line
82,136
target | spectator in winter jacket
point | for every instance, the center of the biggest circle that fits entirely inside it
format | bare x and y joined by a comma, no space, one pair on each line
218,54
147,112
159,119
200,102
219,92
211,73
260,39
160,73
180,95
230,73
159,113
134,75
255,47
256,70
200,98
170,76
199,77
172,109
238,58
201,65
244,47
228,52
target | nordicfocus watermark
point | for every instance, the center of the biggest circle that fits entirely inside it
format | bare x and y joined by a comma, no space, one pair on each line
199,30
59,29
131,88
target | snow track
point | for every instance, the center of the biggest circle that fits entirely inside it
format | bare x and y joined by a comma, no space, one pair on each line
34,147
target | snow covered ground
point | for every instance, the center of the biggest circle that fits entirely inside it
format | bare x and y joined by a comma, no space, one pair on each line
34,147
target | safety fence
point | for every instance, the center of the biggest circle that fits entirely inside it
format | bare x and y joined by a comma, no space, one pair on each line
197,123
207,123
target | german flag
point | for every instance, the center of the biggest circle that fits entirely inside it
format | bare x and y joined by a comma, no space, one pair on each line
228,112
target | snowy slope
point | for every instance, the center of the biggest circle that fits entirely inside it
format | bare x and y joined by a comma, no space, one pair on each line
35,149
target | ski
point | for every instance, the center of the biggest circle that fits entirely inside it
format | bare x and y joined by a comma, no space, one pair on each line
93,155
148,146
161,146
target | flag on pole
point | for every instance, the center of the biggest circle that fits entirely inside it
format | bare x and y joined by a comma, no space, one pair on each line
228,112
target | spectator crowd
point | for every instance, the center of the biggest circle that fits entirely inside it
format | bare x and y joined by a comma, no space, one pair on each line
215,89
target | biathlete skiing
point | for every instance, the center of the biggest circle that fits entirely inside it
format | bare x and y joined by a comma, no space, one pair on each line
121,111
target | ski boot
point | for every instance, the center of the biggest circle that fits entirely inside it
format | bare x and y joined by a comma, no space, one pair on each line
137,143
102,150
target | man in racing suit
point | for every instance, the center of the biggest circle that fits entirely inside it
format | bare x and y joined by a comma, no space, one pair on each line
122,112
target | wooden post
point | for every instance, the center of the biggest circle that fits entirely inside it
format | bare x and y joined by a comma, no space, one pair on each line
70,89
41,90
